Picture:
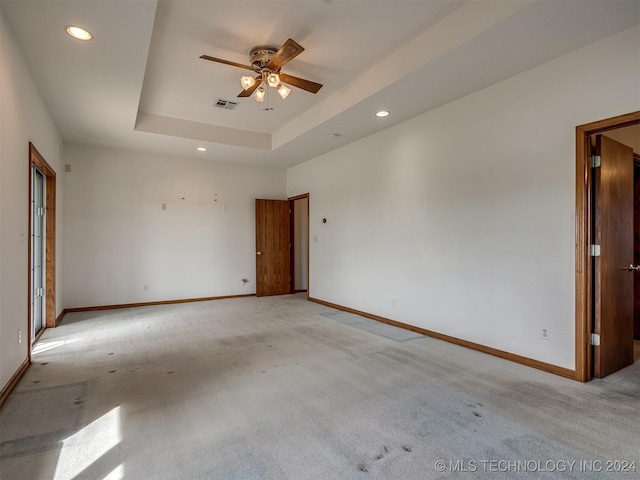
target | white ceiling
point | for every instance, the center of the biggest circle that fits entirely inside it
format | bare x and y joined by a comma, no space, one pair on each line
139,84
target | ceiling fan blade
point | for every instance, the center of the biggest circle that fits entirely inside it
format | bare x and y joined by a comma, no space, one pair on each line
307,85
227,62
248,92
288,51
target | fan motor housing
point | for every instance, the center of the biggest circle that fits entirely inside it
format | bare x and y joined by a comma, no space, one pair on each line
261,55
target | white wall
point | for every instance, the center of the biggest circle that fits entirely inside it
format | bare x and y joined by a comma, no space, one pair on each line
23,118
118,237
466,213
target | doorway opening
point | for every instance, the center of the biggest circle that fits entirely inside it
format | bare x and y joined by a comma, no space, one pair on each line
38,181
42,246
300,243
282,246
586,237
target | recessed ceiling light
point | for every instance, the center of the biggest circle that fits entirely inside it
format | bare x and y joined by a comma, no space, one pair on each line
334,135
201,149
78,32
382,113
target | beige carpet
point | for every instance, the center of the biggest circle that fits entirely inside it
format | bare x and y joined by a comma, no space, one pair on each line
275,388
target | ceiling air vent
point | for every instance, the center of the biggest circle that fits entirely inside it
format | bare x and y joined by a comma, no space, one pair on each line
226,104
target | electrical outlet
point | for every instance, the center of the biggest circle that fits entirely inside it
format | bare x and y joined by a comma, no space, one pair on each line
19,336
545,333
394,301
145,287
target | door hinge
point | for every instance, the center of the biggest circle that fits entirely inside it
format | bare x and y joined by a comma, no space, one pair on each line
594,250
595,339
595,161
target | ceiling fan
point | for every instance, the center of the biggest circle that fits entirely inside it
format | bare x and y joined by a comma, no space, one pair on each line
267,61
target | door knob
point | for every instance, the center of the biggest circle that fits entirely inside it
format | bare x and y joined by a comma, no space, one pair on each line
632,267
258,253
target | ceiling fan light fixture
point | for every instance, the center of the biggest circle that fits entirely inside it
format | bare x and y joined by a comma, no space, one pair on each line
283,90
266,61
247,82
273,80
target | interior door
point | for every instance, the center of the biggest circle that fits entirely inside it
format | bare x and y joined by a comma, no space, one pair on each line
613,268
273,244
636,246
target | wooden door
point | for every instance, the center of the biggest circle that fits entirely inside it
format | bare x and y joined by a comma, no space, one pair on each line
613,278
636,247
273,244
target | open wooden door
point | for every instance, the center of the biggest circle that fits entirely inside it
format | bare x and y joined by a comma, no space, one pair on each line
613,268
636,246
273,244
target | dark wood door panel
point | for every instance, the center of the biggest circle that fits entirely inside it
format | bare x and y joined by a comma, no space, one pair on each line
273,262
636,247
613,281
